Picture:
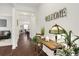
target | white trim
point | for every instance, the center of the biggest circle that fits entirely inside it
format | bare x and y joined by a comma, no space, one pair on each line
14,46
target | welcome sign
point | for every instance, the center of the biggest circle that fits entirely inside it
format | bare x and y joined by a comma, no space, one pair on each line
61,13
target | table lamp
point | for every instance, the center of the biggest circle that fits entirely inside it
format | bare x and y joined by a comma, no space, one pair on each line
56,29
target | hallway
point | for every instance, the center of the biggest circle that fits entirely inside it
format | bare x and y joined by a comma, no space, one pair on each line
25,48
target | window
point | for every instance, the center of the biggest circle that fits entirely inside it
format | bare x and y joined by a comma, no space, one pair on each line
25,26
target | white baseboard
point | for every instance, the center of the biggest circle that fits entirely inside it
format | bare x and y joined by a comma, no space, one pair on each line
14,46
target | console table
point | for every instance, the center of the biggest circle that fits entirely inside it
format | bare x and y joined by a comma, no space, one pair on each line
51,45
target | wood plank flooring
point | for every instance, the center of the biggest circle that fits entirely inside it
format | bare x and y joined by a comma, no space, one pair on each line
5,50
25,48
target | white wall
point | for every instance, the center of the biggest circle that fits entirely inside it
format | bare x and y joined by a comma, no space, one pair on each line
5,9
5,13
70,22
33,26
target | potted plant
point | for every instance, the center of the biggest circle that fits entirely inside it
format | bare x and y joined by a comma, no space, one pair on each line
42,31
71,45
34,39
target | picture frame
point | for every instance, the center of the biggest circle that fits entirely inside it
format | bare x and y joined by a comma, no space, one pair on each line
3,22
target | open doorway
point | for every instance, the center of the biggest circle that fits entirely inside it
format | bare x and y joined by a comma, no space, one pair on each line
25,30
24,23
27,22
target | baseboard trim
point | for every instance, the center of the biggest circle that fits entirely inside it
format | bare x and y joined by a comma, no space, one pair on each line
14,47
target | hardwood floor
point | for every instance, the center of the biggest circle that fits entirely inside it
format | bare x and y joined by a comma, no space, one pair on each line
5,50
25,48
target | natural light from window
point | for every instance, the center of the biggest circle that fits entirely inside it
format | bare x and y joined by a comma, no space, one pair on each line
25,26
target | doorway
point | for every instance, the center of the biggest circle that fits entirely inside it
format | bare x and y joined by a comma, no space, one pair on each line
25,30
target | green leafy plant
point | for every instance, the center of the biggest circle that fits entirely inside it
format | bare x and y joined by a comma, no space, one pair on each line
71,44
35,39
42,31
68,40
75,49
67,52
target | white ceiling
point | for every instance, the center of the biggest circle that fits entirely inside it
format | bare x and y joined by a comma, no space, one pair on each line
29,7
29,4
22,4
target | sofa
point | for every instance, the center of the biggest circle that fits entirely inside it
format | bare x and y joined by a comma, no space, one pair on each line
5,34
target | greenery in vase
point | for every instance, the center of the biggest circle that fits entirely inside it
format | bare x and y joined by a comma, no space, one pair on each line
76,49
71,45
42,31
68,40
35,39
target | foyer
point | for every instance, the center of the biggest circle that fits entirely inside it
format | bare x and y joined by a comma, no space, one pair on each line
39,29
